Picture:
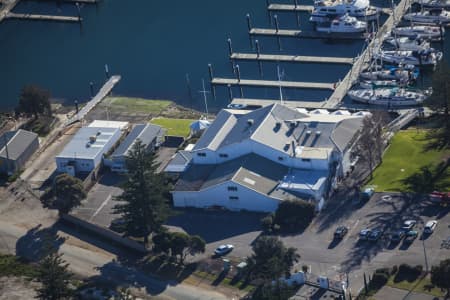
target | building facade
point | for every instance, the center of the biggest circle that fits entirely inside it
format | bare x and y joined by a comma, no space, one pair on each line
16,147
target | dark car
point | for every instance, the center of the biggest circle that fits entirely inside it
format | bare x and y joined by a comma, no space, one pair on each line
375,235
340,232
397,236
410,236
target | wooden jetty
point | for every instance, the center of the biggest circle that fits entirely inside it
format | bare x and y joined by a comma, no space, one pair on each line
306,34
104,91
352,76
270,83
292,58
307,8
290,7
6,8
34,17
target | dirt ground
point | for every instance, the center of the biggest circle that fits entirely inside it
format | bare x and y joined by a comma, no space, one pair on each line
17,288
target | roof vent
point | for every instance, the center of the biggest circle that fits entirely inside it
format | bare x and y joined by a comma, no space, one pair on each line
308,132
99,132
92,139
88,145
292,124
250,122
318,132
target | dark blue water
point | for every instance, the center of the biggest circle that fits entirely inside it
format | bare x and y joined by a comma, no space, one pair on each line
155,46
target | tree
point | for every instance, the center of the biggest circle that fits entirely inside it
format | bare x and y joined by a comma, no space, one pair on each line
34,100
66,193
55,278
294,215
370,143
270,259
143,203
439,101
278,291
440,275
178,244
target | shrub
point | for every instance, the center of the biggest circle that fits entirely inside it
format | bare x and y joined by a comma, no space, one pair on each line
394,270
378,280
384,271
294,216
267,223
408,273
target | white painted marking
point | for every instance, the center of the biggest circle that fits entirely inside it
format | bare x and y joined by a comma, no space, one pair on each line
100,207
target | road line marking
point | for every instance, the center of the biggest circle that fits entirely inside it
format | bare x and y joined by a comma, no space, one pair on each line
100,208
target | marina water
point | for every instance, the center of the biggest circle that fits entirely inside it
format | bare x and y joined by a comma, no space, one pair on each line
158,47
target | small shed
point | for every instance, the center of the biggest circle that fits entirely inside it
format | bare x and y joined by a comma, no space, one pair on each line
16,147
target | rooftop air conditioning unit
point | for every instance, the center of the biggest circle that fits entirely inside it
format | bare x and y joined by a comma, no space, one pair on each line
318,132
250,122
92,138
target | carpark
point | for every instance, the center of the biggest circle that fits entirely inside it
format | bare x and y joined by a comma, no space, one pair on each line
320,251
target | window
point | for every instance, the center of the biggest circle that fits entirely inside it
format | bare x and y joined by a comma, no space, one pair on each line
202,154
232,188
233,198
280,158
223,155
306,159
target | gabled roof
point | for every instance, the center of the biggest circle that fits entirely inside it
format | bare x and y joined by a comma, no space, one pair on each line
17,141
252,171
280,127
146,133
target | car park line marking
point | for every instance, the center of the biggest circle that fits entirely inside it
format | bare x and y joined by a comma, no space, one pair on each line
100,207
351,230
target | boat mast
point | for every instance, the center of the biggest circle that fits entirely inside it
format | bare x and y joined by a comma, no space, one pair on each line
204,92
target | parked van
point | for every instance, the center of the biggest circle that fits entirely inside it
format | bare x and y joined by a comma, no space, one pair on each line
430,226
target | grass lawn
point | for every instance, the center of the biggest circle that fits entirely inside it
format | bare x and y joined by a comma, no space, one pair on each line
404,157
177,127
421,285
136,105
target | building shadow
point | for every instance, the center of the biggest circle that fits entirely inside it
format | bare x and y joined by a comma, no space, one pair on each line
216,225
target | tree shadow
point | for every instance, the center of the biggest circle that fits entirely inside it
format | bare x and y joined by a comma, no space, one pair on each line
219,278
37,242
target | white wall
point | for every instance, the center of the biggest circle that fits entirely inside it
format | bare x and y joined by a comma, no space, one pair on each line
219,195
213,157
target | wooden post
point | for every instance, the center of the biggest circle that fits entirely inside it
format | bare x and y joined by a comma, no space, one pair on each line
277,28
249,27
91,85
230,92
258,53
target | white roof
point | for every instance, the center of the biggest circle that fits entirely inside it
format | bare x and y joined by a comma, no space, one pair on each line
109,124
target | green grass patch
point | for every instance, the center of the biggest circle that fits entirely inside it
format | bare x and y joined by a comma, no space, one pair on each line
11,265
136,105
177,127
405,156
420,285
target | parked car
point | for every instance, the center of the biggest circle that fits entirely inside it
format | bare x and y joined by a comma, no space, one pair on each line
375,235
364,234
340,232
409,225
397,236
223,249
410,236
430,226
439,197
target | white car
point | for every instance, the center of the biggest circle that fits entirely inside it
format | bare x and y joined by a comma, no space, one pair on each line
430,226
409,225
223,249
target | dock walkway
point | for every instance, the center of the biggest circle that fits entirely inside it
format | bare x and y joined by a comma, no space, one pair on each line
292,58
269,83
6,8
305,34
289,7
34,17
104,91
352,76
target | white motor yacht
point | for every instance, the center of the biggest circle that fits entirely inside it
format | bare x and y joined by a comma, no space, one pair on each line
327,10
344,24
427,32
434,16
391,97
